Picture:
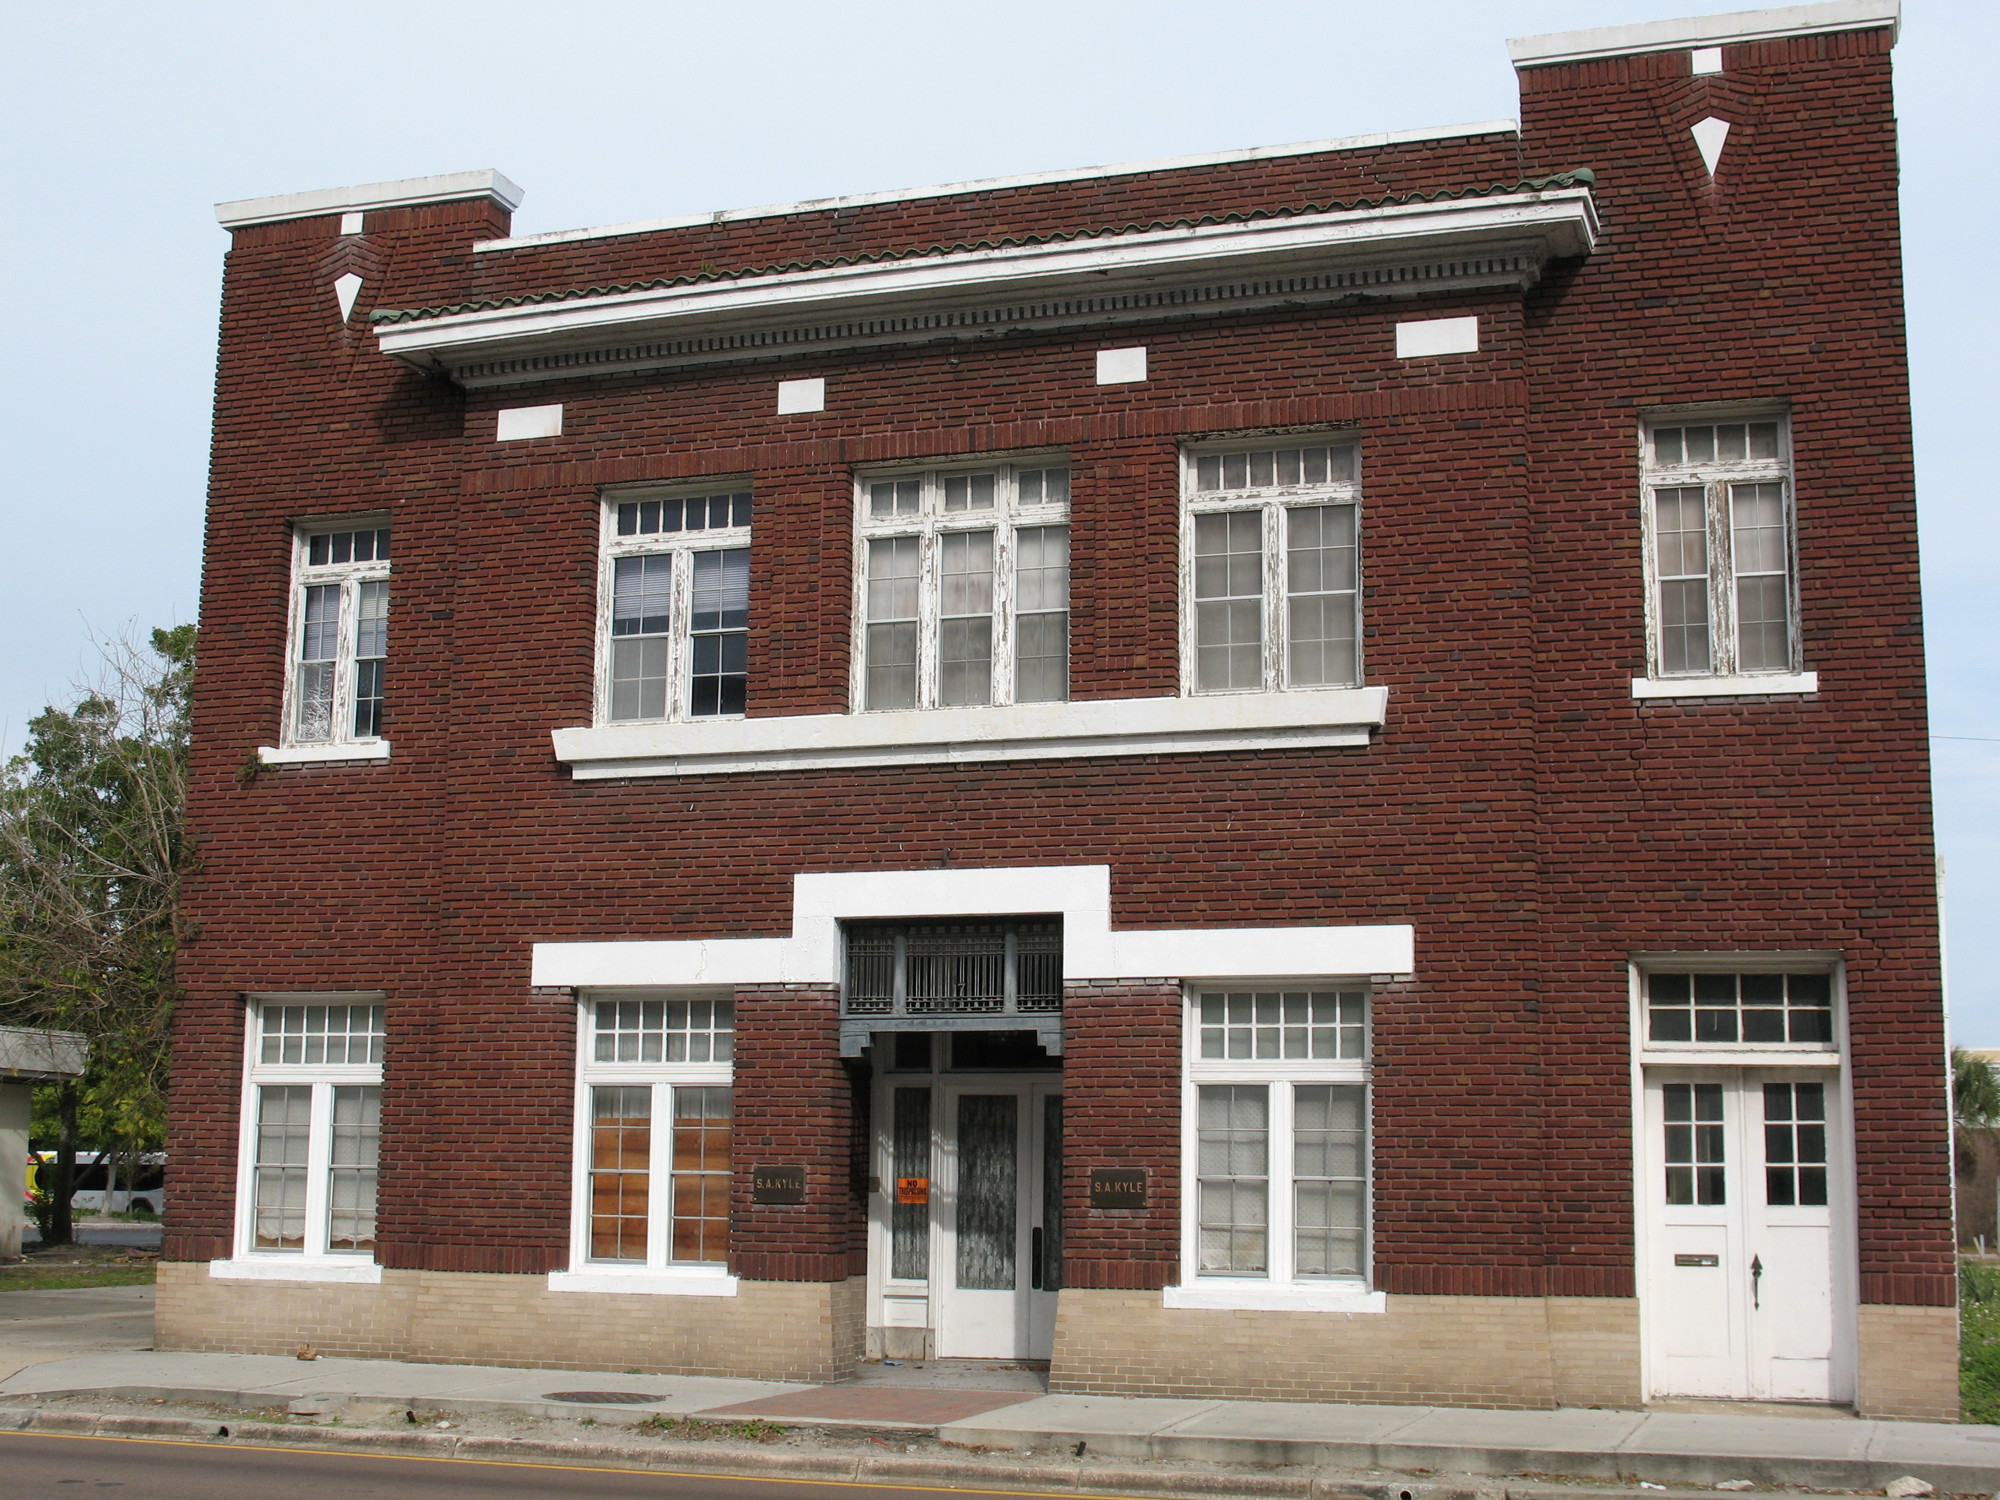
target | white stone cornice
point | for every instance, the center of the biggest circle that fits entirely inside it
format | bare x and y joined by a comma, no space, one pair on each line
1501,239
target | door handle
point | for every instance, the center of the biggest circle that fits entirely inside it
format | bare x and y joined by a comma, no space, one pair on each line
1035,1259
1756,1276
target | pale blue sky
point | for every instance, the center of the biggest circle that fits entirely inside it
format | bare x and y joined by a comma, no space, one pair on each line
126,122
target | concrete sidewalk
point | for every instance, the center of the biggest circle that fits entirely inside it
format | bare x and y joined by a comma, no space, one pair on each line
1657,1447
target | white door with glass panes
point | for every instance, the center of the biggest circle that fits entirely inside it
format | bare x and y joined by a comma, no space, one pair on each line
996,1211
1743,1183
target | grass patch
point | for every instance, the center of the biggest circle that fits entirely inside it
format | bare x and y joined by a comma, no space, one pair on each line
755,1430
1979,1342
33,1278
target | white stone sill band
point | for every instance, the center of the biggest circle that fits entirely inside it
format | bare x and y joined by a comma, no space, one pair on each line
1029,731
296,1268
1253,1296
321,755
1759,685
683,1282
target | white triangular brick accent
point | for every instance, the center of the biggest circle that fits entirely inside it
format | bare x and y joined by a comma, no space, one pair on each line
1709,135
348,287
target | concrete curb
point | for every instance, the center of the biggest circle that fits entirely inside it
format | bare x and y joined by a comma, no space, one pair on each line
1306,1469
1629,1466
971,1474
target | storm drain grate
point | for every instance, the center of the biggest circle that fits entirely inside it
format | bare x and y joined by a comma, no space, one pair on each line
604,1398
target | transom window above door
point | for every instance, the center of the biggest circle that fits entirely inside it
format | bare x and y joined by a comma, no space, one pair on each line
1704,1009
962,585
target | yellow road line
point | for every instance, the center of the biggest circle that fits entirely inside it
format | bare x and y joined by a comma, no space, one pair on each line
508,1463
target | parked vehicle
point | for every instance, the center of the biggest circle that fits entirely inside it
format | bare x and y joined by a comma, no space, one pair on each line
141,1184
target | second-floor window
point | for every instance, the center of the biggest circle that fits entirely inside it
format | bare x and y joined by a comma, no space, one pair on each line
1721,594
340,635
1272,541
964,586
675,627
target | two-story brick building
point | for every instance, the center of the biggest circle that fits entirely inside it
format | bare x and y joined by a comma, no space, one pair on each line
1295,773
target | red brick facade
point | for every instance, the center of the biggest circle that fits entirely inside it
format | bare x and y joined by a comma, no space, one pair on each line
1533,823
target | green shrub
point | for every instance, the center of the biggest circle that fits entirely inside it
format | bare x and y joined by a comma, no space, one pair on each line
1979,1342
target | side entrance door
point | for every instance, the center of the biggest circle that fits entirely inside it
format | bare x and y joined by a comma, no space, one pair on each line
1743,1191
997,1218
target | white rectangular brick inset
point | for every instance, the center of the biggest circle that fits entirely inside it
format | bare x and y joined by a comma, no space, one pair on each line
517,422
352,223
1118,366
1705,60
801,395
1437,336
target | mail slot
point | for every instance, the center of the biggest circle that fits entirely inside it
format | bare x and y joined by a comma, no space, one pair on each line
1697,1260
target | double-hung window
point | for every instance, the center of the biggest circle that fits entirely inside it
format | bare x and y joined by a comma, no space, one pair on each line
675,605
964,586
654,1134
1276,1154
340,635
1722,598
312,1130
1271,534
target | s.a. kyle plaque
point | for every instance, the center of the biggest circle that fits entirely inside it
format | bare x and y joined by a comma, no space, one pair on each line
777,1184
1117,1187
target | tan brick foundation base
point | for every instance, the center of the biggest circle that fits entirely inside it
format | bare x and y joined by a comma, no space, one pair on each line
1458,1351
1908,1365
771,1330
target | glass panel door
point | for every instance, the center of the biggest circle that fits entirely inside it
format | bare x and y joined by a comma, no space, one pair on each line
988,1199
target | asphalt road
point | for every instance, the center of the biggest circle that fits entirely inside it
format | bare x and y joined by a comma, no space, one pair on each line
37,1463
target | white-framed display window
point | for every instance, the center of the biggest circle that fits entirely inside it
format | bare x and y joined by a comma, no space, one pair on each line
310,1142
1720,548
1275,1148
336,663
1271,574
962,584
674,603
653,1143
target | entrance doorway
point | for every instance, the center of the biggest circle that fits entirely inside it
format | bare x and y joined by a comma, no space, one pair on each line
966,1251
1746,1204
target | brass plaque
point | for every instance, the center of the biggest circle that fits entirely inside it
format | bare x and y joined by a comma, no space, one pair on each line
777,1184
1117,1187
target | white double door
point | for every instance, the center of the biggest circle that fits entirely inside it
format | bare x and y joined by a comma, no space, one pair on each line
1747,1213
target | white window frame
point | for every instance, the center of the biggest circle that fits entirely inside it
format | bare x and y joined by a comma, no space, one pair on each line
1272,502
1714,477
659,1274
316,1262
1007,517
342,743
1280,1288
681,546
1738,1054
